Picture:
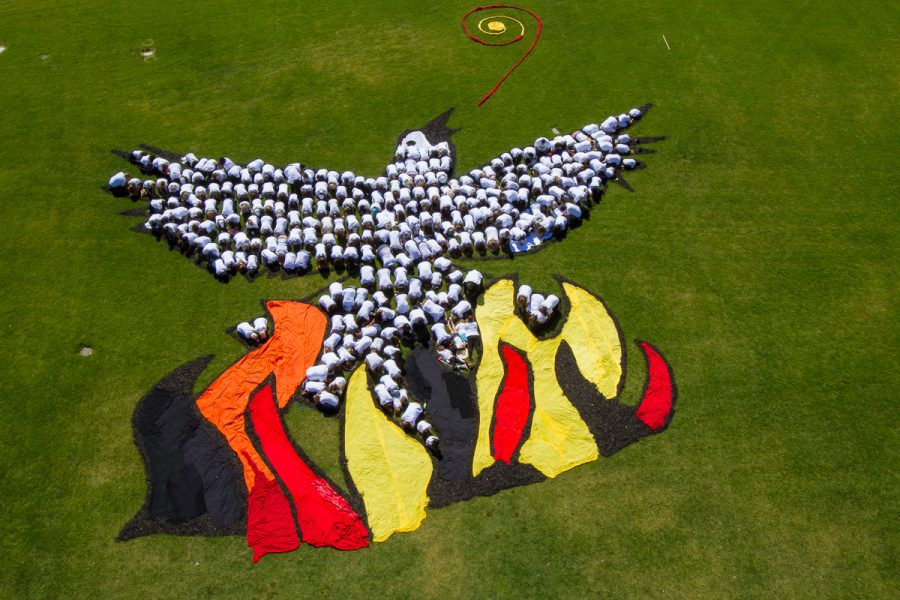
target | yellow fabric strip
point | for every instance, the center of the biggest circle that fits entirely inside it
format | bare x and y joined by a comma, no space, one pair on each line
594,339
390,469
559,439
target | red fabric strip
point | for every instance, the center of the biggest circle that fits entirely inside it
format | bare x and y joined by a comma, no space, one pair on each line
324,517
299,331
270,524
656,404
513,405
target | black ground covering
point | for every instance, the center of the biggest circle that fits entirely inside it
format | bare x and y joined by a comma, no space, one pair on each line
451,409
495,478
194,480
454,413
613,424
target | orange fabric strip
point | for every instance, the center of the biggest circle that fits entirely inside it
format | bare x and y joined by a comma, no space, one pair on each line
293,348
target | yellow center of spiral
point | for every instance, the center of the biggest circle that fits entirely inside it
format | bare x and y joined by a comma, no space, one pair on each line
499,25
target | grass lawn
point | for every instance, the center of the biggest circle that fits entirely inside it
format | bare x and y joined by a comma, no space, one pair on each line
756,254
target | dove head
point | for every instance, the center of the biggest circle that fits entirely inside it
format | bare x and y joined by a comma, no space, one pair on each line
429,142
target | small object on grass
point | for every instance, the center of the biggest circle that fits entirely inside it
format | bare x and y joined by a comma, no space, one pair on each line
2,48
666,41
554,130
86,351
148,49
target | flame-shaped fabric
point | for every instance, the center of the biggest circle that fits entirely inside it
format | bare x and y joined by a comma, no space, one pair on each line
656,404
324,517
299,331
270,524
559,439
389,468
513,405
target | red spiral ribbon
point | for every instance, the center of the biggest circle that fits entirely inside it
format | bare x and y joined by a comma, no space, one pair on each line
540,28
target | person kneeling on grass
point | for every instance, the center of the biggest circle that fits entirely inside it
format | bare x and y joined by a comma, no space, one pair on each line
411,415
261,326
247,333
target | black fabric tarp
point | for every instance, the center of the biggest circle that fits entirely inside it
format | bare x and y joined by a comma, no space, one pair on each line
450,409
194,480
454,414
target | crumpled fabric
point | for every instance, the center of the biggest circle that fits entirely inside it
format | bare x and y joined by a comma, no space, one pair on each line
324,517
513,405
270,525
390,470
558,439
656,402
297,339
451,409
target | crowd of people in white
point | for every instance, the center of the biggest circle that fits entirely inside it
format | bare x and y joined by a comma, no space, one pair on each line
397,233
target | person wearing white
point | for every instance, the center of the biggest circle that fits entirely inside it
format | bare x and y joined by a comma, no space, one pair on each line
317,373
523,296
311,388
385,399
417,316
439,331
374,362
327,400
433,310
118,181
246,331
411,415
261,326
337,385
461,309
550,304
331,360
472,281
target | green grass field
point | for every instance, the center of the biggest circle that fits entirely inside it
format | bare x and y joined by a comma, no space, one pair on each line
756,253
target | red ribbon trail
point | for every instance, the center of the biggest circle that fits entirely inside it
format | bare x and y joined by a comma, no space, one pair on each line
540,28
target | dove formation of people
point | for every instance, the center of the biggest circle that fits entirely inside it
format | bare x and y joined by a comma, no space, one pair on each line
398,233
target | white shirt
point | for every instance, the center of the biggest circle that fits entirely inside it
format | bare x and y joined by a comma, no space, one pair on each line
411,414
461,309
524,295
417,316
550,303
434,310
261,325
440,333
374,362
467,329
313,387
473,277
327,399
327,303
118,180
244,330
317,373
392,369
